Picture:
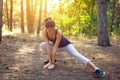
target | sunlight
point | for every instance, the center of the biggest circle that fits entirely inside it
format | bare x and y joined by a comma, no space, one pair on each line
6,31
24,49
54,4
51,4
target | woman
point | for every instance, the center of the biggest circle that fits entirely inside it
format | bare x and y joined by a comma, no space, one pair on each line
55,41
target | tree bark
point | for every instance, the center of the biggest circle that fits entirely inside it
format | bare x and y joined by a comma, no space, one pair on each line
30,18
40,16
115,15
11,11
1,14
22,18
7,14
103,37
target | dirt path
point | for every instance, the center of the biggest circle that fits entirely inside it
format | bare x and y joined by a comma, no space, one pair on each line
21,59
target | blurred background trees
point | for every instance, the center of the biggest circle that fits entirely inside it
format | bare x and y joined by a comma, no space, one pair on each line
1,14
73,17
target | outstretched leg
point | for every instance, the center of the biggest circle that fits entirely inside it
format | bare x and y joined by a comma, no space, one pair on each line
71,50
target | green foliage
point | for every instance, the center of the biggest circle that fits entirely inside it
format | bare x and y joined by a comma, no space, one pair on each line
80,17
116,30
77,18
73,17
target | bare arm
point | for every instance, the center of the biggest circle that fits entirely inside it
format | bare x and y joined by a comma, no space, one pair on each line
58,39
47,47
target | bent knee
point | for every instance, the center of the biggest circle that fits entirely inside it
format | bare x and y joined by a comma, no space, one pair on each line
42,44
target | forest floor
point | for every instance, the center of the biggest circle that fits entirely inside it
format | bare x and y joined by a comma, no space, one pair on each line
22,59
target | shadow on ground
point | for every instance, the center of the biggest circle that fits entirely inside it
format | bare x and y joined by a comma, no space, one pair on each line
21,59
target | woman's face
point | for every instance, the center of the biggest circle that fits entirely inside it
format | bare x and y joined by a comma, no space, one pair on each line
51,30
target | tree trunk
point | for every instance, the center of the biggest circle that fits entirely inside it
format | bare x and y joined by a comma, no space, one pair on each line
22,18
30,20
119,18
7,14
1,14
11,11
103,37
116,12
92,16
114,16
40,16
34,10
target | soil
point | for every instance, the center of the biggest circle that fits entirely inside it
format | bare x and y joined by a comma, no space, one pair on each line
22,59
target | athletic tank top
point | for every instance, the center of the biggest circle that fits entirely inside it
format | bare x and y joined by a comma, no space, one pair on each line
64,41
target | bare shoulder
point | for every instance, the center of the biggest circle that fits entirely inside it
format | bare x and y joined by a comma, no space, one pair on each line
59,31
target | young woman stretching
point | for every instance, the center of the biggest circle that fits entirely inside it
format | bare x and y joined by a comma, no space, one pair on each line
55,41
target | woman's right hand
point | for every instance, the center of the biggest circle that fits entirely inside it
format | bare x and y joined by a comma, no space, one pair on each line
46,65
49,66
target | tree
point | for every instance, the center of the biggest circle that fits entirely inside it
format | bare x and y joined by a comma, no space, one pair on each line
29,17
30,9
1,14
22,17
115,15
11,12
103,37
40,16
7,13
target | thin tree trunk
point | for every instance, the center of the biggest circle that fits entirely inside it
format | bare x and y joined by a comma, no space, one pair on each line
114,15
1,14
116,12
103,37
118,18
7,14
30,16
91,16
40,17
34,12
22,18
11,11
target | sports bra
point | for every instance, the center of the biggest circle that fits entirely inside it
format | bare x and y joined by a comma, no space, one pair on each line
64,41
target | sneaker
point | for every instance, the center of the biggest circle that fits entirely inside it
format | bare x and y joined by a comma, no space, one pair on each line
47,61
100,73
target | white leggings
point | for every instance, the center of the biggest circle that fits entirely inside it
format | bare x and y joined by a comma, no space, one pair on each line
69,49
